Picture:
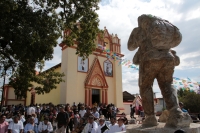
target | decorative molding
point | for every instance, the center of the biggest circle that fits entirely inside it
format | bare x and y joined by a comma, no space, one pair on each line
96,81
95,77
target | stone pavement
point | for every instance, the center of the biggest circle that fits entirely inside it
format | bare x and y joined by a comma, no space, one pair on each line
136,128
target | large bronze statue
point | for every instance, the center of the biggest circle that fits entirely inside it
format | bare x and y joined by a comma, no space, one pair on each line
155,37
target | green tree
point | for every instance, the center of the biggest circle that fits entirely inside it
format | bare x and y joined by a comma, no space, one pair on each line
29,32
190,99
82,21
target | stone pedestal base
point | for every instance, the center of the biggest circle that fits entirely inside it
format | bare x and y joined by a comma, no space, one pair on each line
194,128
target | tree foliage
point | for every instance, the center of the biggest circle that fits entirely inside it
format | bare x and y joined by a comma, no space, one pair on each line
190,99
82,21
29,32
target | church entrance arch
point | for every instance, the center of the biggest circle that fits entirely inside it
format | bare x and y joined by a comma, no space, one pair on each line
95,85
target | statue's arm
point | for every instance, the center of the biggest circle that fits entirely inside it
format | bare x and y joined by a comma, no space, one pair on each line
132,44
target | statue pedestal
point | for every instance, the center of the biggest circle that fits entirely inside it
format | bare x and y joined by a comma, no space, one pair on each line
194,128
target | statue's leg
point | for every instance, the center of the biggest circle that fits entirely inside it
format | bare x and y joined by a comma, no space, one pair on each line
147,74
165,80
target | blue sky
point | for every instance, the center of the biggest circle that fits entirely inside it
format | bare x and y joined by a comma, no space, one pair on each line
120,17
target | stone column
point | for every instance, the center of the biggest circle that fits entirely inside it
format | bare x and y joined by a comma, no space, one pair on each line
103,96
90,97
86,96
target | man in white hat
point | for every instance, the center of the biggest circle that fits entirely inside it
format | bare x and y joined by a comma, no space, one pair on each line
102,126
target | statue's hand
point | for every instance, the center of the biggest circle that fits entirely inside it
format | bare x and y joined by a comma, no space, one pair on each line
176,58
136,59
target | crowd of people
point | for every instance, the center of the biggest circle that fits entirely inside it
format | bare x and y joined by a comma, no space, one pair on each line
49,118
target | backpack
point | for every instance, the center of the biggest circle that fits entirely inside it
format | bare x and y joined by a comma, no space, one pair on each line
162,33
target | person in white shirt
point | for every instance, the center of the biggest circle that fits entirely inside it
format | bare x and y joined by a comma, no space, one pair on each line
35,123
91,126
95,113
29,127
112,125
22,118
45,126
120,127
102,126
37,110
8,118
30,110
16,126
82,111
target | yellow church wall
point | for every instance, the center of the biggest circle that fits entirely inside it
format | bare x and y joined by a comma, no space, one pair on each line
11,98
53,96
64,69
118,84
111,90
74,89
11,94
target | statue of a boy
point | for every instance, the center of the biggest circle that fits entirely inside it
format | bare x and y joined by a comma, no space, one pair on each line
155,37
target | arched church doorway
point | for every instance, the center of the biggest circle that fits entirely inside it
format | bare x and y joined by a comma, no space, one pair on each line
95,96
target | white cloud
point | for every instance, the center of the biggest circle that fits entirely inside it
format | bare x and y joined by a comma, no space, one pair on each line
188,62
176,1
193,14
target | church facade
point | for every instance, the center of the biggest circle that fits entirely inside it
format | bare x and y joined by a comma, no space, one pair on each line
97,79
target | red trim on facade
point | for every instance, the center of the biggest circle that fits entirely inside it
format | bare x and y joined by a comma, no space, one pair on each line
14,100
94,86
106,100
63,48
121,108
90,97
86,97
99,55
103,96
97,50
6,96
109,36
117,44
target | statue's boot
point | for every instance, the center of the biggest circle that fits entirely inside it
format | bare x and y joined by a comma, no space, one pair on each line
177,118
150,121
